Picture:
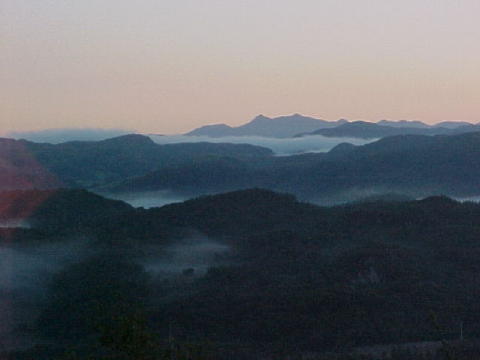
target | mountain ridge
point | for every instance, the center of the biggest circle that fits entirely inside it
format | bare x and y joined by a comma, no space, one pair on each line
368,130
414,165
27,165
278,127
300,125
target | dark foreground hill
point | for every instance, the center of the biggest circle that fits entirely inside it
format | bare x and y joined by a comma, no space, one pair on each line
58,210
252,270
410,164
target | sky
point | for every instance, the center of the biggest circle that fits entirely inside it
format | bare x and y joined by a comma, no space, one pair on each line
167,66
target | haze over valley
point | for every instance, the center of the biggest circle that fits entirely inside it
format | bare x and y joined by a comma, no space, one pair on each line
190,260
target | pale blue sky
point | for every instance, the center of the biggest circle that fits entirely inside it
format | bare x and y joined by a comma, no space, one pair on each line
168,66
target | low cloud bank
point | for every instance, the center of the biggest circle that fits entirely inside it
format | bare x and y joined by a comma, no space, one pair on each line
193,255
470,198
288,146
148,199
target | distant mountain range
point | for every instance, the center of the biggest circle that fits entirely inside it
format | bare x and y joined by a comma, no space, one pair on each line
56,136
367,130
279,127
298,125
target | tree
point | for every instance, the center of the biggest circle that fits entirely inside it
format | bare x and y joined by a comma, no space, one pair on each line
92,294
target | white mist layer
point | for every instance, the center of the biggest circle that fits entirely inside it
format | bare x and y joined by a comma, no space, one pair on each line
24,276
26,267
288,146
198,254
147,199
14,223
471,198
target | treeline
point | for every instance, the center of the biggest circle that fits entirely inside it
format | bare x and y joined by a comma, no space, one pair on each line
296,278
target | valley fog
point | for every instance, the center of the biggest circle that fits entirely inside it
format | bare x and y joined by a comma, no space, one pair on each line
282,147
31,274
470,198
148,199
191,256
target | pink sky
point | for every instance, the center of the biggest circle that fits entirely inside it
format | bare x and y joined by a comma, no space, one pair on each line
168,66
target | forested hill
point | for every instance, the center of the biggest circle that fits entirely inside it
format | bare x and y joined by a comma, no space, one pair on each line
268,269
414,165
411,164
26,165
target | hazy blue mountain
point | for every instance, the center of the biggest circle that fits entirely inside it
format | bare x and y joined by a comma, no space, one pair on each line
403,123
368,130
216,130
452,124
279,127
465,128
56,136
297,125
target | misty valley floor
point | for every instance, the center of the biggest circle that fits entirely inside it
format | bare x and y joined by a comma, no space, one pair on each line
246,274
